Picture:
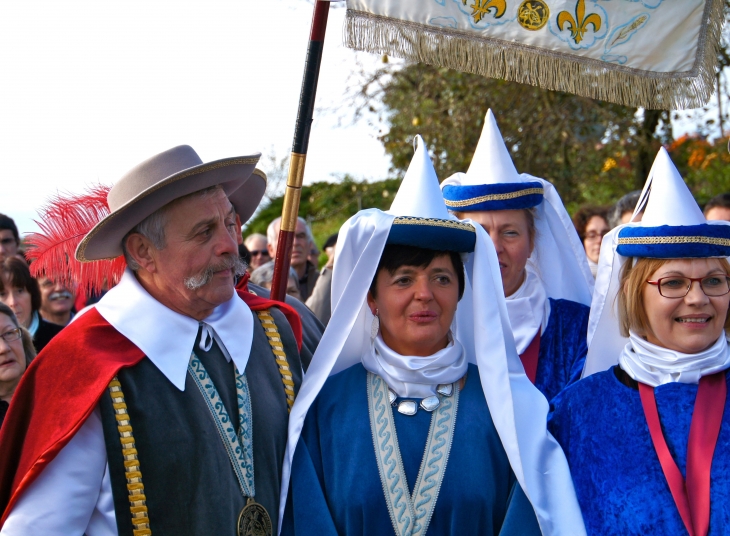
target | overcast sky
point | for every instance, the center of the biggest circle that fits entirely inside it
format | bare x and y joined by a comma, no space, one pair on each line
91,88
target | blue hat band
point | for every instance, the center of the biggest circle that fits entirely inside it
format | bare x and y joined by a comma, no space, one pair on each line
675,242
433,233
503,196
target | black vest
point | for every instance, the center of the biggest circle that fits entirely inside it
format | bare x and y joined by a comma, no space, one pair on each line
189,483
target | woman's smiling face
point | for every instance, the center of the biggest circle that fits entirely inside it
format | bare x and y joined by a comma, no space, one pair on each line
416,306
690,324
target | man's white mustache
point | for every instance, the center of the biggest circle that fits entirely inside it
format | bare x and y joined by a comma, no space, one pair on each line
63,295
206,276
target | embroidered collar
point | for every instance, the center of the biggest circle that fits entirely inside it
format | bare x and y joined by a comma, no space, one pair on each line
167,337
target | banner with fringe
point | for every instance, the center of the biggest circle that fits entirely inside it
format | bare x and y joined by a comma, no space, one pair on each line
657,54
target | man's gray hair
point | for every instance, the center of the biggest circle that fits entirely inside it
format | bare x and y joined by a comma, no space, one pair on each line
263,276
153,226
255,236
272,233
626,204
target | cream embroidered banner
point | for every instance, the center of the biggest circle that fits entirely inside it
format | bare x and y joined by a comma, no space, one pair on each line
651,53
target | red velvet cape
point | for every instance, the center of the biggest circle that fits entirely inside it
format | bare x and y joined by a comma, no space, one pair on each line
61,388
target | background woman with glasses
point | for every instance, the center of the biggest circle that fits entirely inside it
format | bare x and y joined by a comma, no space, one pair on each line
16,353
647,430
591,224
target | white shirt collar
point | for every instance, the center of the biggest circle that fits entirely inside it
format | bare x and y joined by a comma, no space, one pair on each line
167,337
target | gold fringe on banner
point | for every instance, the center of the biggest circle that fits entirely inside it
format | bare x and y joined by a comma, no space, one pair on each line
547,69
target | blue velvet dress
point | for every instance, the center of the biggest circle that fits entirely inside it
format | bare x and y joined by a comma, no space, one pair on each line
335,485
621,488
563,347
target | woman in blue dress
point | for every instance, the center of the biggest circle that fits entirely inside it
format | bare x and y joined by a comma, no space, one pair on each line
400,427
647,431
545,275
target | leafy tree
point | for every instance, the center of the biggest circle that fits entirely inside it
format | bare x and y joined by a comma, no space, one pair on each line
592,151
326,205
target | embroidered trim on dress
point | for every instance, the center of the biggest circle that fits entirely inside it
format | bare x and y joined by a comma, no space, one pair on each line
410,515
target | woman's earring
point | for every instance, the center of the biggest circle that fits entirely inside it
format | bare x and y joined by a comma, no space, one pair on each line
375,327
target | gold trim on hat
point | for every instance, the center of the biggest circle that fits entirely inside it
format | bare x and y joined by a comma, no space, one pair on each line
494,197
435,222
651,240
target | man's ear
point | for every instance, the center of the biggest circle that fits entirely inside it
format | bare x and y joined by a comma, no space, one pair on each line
141,250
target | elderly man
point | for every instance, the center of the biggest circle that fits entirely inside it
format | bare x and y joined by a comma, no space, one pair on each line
57,301
9,239
257,246
165,407
303,241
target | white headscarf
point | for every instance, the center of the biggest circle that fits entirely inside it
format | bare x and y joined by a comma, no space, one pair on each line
517,408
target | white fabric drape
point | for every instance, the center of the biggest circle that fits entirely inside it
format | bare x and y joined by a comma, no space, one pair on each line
416,376
653,365
527,310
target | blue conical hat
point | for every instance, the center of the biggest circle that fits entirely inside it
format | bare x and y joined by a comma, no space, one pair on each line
421,217
492,181
673,226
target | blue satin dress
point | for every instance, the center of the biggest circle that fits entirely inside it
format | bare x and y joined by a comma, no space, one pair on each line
335,484
600,423
563,347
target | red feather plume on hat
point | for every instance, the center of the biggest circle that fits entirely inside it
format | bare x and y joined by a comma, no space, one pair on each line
64,222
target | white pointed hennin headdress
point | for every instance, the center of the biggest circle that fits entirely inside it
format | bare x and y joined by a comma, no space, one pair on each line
673,227
419,217
492,183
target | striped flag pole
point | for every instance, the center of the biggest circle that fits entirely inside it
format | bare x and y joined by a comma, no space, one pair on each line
293,192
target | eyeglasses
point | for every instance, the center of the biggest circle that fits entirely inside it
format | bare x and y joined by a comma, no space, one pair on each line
257,252
678,287
12,335
593,235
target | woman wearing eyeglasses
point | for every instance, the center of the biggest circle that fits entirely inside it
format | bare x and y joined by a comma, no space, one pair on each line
591,224
16,352
647,431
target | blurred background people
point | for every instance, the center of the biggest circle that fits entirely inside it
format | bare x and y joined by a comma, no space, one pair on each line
257,246
264,275
20,291
307,272
591,224
623,209
57,301
16,353
9,238
319,301
718,208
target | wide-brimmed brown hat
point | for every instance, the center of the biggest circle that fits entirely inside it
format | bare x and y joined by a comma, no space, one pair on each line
161,179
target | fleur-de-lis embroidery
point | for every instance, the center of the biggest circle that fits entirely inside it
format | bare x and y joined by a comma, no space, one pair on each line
481,8
579,24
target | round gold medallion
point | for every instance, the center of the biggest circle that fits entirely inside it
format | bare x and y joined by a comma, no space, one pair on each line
254,520
533,14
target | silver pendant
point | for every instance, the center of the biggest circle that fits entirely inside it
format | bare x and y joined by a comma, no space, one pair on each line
407,407
445,389
391,396
430,403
